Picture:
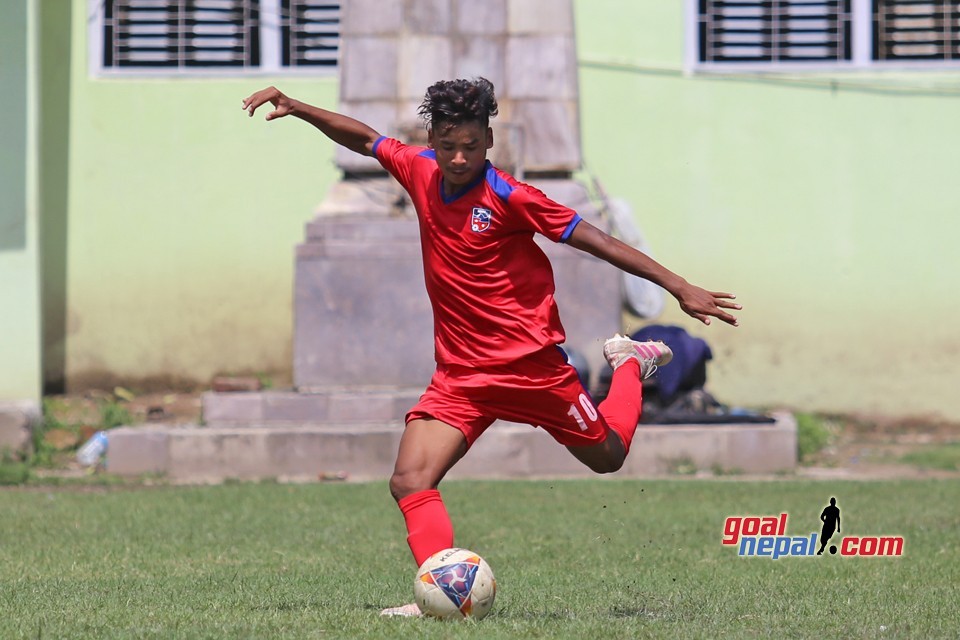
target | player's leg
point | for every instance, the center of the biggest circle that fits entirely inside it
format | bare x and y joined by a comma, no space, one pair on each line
439,430
428,449
605,457
632,362
543,389
825,535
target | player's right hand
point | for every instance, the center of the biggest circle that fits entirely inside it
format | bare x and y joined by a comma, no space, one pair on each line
701,304
283,106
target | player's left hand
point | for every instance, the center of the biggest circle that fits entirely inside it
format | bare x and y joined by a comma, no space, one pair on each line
702,304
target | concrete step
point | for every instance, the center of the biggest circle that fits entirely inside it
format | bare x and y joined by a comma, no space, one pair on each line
292,408
367,451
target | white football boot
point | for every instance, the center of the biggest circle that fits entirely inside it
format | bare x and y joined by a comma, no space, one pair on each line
650,355
407,611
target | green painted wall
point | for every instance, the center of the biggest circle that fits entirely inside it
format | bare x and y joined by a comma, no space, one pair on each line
828,204
824,204
19,284
183,217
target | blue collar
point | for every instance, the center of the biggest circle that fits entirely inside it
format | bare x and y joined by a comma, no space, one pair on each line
480,177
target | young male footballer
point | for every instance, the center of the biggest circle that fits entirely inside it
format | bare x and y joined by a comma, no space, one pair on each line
496,325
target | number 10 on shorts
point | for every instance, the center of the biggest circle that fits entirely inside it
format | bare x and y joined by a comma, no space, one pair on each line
587,407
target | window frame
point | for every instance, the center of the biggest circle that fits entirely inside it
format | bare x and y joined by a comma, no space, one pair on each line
862,38
270,44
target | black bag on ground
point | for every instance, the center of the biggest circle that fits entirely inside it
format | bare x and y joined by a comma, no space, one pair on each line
676,393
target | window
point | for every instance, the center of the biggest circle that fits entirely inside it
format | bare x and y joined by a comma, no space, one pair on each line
311,33
774,31
202,33
816,34
916,30
213,36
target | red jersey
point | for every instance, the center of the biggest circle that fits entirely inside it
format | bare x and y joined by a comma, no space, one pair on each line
490,285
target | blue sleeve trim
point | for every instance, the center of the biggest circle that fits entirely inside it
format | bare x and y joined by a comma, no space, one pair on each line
501,187
377,144
570,227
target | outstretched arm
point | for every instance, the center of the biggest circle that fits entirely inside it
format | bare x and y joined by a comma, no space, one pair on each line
343,130
694,301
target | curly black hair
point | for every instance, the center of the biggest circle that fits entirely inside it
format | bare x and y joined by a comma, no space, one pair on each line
454,102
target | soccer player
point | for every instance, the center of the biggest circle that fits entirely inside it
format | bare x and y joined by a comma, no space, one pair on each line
830,516
496,325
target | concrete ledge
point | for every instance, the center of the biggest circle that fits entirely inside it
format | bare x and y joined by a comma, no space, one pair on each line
204,454
364,452
133,451
305,408
17,420
727,448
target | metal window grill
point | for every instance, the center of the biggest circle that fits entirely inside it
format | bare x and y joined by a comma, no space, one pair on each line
916,30
310,33
743,31
181,33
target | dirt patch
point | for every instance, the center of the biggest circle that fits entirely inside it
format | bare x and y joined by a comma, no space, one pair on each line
868,447
88,408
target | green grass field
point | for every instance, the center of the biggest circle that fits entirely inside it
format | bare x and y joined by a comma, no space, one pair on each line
574,559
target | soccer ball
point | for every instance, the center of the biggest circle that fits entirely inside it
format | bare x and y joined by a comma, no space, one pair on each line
454,584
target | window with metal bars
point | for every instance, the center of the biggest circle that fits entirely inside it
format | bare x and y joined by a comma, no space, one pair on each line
185,33
774,31
815,34
310,33
226,36
916,30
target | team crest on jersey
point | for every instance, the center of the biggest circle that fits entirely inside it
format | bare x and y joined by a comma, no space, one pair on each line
480,221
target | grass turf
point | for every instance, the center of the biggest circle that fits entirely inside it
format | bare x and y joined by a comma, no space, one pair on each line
939,456
574,559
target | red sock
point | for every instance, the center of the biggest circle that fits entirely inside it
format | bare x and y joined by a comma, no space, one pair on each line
622,407
428,524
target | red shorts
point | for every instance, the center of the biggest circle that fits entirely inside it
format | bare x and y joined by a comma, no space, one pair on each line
540,389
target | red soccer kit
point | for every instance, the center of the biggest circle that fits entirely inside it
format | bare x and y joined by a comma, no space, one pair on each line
496,324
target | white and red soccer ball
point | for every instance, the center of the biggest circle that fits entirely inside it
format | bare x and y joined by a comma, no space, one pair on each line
455,584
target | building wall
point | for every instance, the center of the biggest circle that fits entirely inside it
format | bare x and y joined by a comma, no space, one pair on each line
822,203
827,203
19,285
183,216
